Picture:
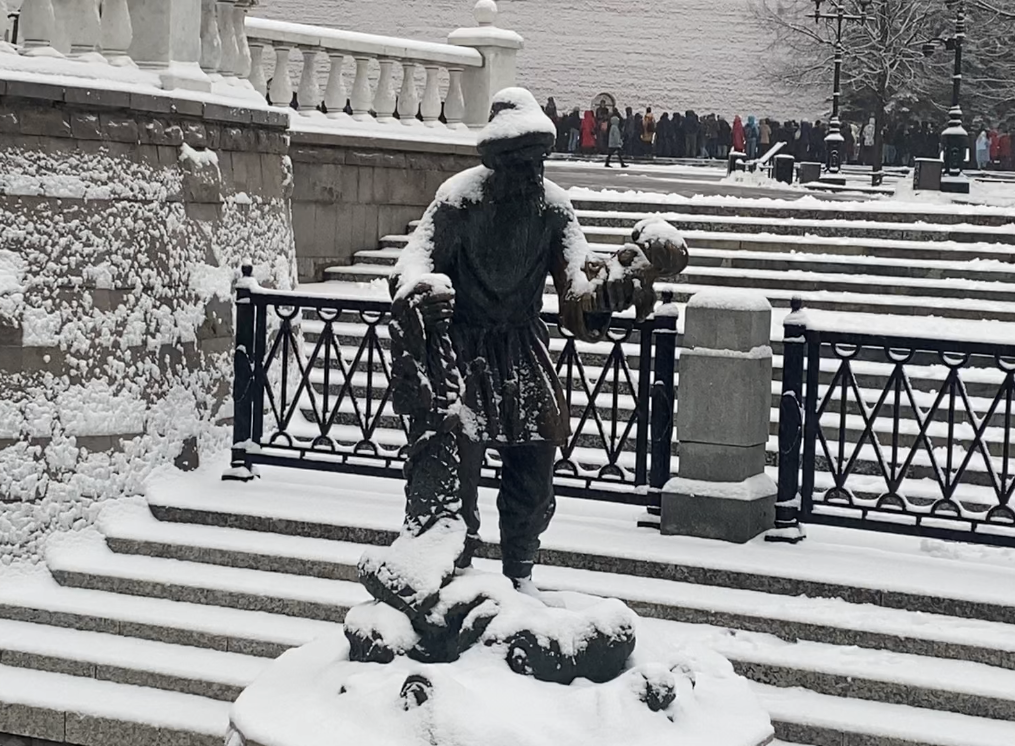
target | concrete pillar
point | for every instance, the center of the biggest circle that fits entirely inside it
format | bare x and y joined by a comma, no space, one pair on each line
167,37
499,48
724,406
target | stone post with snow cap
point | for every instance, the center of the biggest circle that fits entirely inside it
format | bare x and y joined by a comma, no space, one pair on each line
723,412
499,48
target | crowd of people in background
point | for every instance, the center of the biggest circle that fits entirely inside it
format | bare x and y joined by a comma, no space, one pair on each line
606,131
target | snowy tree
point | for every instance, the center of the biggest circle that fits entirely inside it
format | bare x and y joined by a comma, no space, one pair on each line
885,72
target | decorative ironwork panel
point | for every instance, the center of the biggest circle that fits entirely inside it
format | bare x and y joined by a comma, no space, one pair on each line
911,436
314,393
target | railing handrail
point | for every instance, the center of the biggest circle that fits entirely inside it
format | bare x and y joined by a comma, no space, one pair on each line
900,341
353,43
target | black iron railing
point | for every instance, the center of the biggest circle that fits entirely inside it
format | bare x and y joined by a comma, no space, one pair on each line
311,390
898,434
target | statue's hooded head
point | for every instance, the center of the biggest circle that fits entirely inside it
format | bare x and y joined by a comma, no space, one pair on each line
518,137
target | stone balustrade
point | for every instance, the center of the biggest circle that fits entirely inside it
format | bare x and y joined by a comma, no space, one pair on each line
212,46
389,80
190,44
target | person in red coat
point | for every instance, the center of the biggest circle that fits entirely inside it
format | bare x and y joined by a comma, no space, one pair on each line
588,141
739,138
1004,151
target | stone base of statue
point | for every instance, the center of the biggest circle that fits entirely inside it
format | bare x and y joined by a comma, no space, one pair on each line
661,692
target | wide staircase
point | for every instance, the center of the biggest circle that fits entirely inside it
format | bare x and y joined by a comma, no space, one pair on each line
146,634
871,265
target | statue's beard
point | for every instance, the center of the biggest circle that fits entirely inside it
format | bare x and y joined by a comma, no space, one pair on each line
516,181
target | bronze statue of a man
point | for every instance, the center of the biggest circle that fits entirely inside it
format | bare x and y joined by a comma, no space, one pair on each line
474,274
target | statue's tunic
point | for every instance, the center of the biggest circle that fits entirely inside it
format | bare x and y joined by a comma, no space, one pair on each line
497,257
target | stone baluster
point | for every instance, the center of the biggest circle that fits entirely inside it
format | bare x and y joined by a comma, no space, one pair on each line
4,25
211,40
334,93
256,77
227,33
243,58
384,99
361,94
117,32
408,101
431,105
83,28
454,104
37,28
309,94
281,91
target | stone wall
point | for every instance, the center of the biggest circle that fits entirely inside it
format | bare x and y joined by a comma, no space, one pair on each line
349,192
123,220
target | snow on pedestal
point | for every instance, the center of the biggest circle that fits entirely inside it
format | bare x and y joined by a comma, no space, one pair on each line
314,696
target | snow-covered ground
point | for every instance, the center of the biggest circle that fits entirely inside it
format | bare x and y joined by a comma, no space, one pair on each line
705,55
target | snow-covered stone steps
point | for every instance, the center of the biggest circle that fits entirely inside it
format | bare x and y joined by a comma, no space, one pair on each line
607,240
792,258
964,299
98,568
792,210
830,621
250,633
858,227
801,716
127,660
602,539
59,708
872,673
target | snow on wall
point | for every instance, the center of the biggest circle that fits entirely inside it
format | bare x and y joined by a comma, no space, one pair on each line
116,321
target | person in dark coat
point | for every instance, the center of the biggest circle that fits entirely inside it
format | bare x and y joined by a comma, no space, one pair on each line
678,135
480,259
724,139
663,135
691,128
615,141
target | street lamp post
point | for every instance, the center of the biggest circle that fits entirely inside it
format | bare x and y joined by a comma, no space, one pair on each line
834,141
955,138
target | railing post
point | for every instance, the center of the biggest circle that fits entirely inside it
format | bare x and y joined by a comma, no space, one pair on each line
384,99
37,26
243,378
361,95
227,33
243,58
256,77
84,30
787,506
431,106
662,393
334,94
454,105
281,92
117,32
309,94
408,101
211,39
4,25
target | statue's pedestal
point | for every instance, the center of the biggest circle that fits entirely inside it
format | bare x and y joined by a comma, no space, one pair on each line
315,696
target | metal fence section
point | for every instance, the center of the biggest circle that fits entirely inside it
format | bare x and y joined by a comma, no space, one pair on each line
900,434
311,390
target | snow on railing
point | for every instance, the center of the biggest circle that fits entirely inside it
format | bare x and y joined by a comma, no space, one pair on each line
392,79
